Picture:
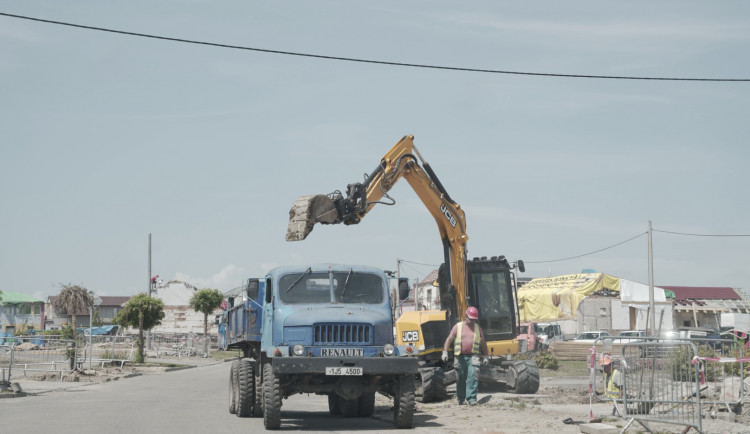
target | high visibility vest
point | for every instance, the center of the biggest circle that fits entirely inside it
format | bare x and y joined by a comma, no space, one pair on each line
457,342
612,390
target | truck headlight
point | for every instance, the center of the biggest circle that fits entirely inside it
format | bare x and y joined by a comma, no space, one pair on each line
388,349
298,350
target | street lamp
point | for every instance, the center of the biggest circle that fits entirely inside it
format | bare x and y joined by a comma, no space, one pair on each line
96,301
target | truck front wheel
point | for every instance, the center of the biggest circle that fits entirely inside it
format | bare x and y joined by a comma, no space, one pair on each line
349,407
271,398
333,405
366,405
403,402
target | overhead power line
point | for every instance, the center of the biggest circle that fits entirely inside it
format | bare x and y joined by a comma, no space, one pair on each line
702,235
378,62
587,254
418,263
637,236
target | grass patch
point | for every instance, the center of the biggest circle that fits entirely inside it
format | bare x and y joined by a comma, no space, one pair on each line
223,355
567,368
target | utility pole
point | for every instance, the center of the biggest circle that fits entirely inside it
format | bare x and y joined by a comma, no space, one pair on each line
396,299
651,305
150,287
149,265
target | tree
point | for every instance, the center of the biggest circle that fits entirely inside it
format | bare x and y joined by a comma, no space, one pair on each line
206,301
73,298
142,312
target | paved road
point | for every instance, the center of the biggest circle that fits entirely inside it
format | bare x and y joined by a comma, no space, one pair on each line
183,401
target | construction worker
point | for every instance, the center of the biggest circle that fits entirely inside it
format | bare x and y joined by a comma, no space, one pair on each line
467,339
605,361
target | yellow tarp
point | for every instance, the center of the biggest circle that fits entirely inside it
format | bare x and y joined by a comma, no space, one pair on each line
557,297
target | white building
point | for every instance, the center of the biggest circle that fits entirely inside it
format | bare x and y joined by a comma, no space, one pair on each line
179,317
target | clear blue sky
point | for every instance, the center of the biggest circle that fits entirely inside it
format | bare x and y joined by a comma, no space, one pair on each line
107,138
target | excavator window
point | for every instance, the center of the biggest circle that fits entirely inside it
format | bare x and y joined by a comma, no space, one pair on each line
493,300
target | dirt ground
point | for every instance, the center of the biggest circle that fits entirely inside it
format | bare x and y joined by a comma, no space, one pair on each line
559,398
545,411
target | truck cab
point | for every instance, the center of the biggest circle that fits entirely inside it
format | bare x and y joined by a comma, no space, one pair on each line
549,332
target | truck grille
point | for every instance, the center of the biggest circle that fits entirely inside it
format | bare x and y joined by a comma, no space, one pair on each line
342,334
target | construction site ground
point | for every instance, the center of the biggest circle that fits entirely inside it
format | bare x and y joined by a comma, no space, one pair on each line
562,404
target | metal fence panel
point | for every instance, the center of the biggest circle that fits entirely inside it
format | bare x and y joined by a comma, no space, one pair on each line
107,350
720,365
6,363
34,354
180,344
660,383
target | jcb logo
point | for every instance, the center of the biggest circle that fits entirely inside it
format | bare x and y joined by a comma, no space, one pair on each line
448,215
410,336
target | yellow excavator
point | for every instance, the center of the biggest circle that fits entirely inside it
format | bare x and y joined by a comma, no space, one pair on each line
486,283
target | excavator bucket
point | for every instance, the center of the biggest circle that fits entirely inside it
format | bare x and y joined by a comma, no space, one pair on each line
308,210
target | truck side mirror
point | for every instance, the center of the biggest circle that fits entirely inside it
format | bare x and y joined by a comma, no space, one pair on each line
521,266
252,289
403,288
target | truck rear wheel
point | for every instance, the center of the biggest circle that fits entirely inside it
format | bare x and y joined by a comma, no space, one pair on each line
245,388
271,398
233,388
433,385
333,405
366,405
403,402
258,404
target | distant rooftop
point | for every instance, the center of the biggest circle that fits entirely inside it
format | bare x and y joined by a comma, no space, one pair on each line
702,292
17,298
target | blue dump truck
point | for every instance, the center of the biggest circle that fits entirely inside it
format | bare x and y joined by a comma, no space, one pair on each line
324,329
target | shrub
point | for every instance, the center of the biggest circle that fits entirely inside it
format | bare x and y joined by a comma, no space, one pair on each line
546,360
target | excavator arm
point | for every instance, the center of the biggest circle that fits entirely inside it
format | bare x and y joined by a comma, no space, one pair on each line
402,161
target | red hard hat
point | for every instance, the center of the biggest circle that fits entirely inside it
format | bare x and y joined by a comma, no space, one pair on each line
472,312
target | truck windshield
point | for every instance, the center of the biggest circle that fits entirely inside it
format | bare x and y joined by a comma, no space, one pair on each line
332,287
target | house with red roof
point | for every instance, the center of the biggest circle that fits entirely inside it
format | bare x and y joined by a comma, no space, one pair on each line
706,307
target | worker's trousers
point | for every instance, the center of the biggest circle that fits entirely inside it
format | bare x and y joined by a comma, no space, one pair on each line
467,386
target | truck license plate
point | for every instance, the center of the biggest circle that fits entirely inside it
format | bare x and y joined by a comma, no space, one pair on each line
344,370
